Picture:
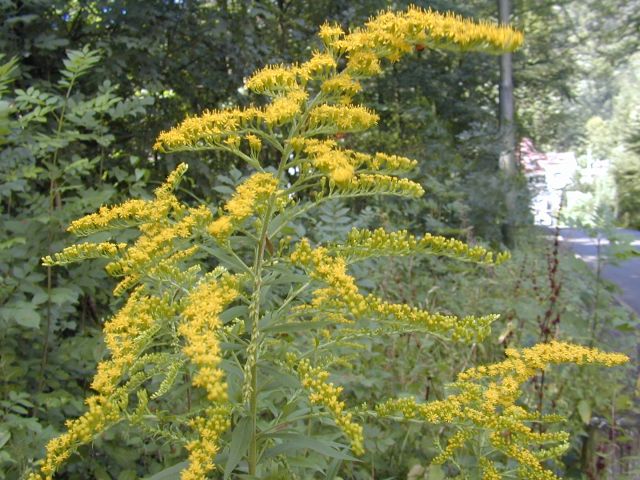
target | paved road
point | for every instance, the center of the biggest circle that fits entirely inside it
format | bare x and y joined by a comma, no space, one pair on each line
626,275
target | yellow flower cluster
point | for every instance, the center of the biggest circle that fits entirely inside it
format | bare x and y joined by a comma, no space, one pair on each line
320,64
199,328
340,165
467,329
321,392
329,33
274,79
342,85
389,35
328,159
255,144
363,63
284,108
248,199
342,294
392,35
489,406
256,187
84,251
208,130
103,411
201,323
126,335
507,431
161,221
333,272
210,426
371,184
381,161
128,213
130,332
362,243
336,164
151,255
455,442
132,212
521,365
530,466
329,119
489,470
154,253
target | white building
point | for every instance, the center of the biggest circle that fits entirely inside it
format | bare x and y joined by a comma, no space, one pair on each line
549,175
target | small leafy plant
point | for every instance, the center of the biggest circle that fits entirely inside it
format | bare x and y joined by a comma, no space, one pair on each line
235,319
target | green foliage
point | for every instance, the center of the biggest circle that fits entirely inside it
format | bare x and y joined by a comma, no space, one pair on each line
193,55
627,177
521,292
238,304
53,160
611,139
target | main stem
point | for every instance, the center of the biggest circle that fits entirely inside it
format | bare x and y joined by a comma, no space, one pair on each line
255,332
255,298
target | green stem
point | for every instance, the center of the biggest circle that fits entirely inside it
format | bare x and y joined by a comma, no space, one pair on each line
254,308
53,195
596,297
255,338
293,296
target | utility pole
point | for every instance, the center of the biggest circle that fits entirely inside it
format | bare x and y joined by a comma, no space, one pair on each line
507,133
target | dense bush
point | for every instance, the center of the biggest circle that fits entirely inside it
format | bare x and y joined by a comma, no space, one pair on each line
54,164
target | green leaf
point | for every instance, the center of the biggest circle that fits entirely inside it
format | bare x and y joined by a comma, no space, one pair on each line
23,313
101,473
334,468
225,259
171,473
77,63
64,295
584,409
229,314
223,189
287,278
4,437
290,327
435,472
127,475
239,445
292,442
19,410
276,378
6,244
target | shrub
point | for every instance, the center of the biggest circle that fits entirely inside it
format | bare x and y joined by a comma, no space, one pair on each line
232,322
54,136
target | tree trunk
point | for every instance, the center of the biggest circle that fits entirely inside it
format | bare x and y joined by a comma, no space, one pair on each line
507,133
507,128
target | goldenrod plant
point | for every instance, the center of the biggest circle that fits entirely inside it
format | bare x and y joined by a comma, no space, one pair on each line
227,308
